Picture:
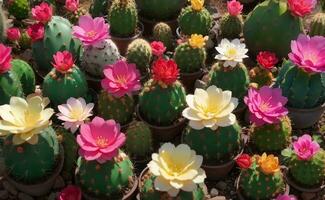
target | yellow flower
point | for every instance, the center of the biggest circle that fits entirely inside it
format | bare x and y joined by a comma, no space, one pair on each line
25,119
176,168
269,164
197,41
197,5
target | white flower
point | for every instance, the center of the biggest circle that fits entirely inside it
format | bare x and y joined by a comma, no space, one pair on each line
74,113
231,52
210,108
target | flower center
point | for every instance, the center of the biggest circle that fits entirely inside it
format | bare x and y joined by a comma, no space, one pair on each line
231,52
264,106
91,34
102,142
121,80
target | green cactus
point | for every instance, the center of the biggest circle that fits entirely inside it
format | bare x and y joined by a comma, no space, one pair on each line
123,18
162,106
231,26
148,192
31,163
25,41
120,109
234,79
263,33
272,137
189,59
59,87
215,146
9,86
191,21
19,9
317,25
57,37
303,90
25,74
107,180
139,140
3,25
160,10
99,8
139,52
163,33
261,77
308,172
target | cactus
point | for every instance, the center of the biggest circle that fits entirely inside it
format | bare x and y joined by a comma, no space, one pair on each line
195,22
272,137
261,76
31,163
139,52
73,17
25,41
96,58
19,9
3,25
234,79
215,146
9,86
123,18
139,140
303,90
107,180
317,25
231,26
25,74
163,33
120,109
59,87
57,37
99,8
160,10
162,106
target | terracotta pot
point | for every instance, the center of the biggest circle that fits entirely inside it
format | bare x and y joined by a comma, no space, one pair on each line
189,79
304,118
123,43
149,25
42,188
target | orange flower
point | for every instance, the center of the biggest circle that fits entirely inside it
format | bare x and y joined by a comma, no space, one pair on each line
197,5
269,164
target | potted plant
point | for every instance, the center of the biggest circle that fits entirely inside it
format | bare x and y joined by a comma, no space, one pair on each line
231,24
162,32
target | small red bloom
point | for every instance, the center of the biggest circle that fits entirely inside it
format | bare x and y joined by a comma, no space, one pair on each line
70,193
158,48
63,61
165,71
267,59
13,34
42,13
36,32
5,58
244,161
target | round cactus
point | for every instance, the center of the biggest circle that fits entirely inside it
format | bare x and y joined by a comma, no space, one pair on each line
9,86
163,33
31,163
99,8
123,18
261,76
25,74
317,25
139,52
231,26
19,9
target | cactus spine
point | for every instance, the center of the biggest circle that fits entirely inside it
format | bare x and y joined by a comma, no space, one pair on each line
19,9
25,74
163,33
231,26
317,25
9,86
139,52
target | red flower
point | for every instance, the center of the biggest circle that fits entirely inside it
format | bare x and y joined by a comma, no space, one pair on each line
63,61
5,58
267,59
244,161
165,71
158,48
13,34
42,13
70,193
301,8
36,32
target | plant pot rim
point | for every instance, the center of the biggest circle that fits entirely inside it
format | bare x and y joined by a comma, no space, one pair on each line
179,31
144,19
135,36
223,165
322,106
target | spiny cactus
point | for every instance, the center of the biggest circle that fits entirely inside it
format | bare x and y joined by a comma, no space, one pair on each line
25,74
99,8
9,86
19,9
317,25
261,76
231,26
25,41
163,33
3,25
139,52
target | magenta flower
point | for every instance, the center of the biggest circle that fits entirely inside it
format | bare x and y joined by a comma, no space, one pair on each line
286,197
63,61
36,32
42,13
308,53
234,7
305,148
158,48
13,34
266,105
100,140
71,5
71,192
300,8
91,31
121,78
5,58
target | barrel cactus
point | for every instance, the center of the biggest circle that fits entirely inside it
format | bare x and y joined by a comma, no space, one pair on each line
99,8
19,9
231,26
25,74
317,25
162,32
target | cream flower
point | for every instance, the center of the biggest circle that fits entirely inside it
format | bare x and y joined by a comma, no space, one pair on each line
74,113
231,52
25,119
176,168
210,108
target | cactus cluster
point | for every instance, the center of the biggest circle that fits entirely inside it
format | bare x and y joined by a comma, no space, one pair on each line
163,33
139,52
9,86
25,74
19,9
317,25
231,26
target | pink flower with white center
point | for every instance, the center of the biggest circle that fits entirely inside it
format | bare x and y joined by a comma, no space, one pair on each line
305,148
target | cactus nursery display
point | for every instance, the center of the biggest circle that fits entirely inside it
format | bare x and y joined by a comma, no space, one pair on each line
162,99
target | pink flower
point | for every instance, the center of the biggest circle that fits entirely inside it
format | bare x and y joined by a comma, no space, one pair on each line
266,105
300,8
267,59
100,140
121,78
305,148
158,48
63,61
286,197
91,31
13,34
36,32
42,13
309,53
71,192
234,7
72,5
5,58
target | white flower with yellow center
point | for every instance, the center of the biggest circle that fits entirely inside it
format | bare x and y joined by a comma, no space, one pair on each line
25,119
231,52
176,168
210,108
